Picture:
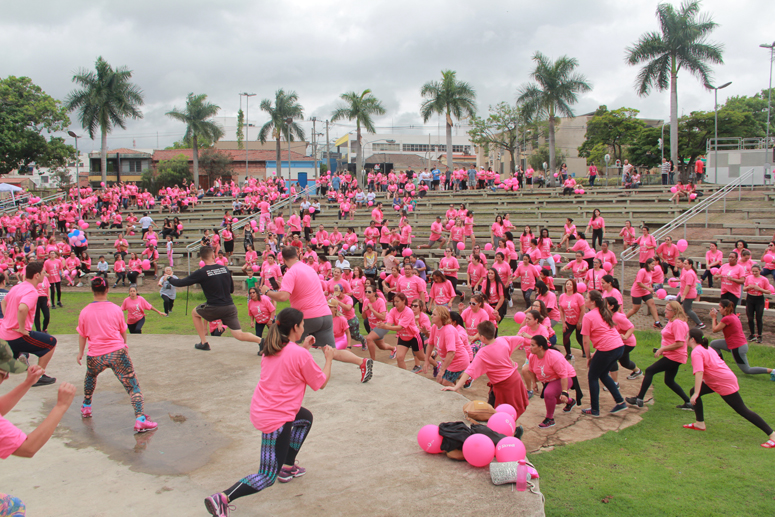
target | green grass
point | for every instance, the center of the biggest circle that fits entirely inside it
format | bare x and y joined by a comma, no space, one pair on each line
653,468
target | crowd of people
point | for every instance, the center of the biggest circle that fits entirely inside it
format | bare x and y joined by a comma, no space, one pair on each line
381,281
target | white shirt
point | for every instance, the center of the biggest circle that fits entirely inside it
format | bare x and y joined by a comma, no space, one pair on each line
146,222
343,264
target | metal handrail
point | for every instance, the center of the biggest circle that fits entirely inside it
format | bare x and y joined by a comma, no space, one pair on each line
25,199
196,245
684,217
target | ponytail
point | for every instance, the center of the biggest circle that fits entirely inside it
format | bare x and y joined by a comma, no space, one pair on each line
602,307
696,335
279,331
613,302
611,280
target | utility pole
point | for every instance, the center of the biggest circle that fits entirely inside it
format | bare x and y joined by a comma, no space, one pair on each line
315,147
328,150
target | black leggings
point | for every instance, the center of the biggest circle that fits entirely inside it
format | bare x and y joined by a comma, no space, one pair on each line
597,235
120,277
732,298
527,295
42,307
707,274
735,401
56,288
137,326
566,335
670,368
453,280
278,448
169,303
625,360
132,277
754,308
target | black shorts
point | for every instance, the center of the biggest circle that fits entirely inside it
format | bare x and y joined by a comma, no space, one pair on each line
412,343
226,313
37,343
228,246
637,300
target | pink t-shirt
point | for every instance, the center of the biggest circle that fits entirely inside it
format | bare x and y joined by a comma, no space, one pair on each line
135,308
473,319
733,331
579,269
727,272
583,246
550,300
528,274
406,320
622,326
24,293
689,278
608,256
594,279
340,326
347,300
378,306
280,390
645,278
751,280
494,360
603,337
261,309
11,438
643,241
551,366
711,258
102,324
668,252
715,372
442,293
673,332
446,340
572,307
413,288
451,265
303,284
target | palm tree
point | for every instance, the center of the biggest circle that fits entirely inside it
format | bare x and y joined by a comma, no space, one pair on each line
195,116
682,43
106,99
448,97
286,106
557,89
360,108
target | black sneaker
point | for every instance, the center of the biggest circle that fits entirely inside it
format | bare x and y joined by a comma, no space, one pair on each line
60,304
569,357
701,326
634,375
548,422
751,337
519,431
202,346
686,406
619,407
53,306
44,380
569,406
657,325
634,401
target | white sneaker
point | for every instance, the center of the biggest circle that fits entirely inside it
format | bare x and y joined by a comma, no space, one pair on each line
80,284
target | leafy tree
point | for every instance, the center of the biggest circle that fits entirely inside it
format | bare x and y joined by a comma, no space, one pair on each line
106,99
450,98
360,108
25,113
501,129
63,178
556,90
541,155
171,172
682,43
757,106
216,164
644,151
611,129
286,106
195,116
187,143
240,132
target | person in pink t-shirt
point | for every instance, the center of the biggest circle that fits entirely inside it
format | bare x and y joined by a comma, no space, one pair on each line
712,375
454,358
527,274
135,307
549,367
643,291
286,371
732,277
756,286
572,309
734,339
670,355
400,319
101,326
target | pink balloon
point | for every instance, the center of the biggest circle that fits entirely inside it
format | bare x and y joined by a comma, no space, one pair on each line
102,183
383,275
487,247
429,439
396,208
673,282
682,245
478,450
519,317
582,191
557,258
180,227
131,233
661,293
607,266
510,449
577,191
461,246
313,241
767,258
201,263
502,423
556,174
146,264
692,196
371,203
673,190
407,252
326,242
581,287
714,271
508,409
84,225
312,210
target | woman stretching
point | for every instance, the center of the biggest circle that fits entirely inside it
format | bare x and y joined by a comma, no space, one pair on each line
101,325
286,371
711,374
734,339
135,307
626,329
670,356
550,367
571,311
643,291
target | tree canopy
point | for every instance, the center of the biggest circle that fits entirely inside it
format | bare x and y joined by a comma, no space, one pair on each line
500,130
612,130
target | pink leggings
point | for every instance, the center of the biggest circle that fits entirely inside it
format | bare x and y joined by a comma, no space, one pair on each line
552,393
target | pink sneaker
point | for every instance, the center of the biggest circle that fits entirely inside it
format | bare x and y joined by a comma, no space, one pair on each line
286,474
143,426
86,411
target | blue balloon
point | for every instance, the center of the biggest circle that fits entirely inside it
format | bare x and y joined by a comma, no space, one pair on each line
76,232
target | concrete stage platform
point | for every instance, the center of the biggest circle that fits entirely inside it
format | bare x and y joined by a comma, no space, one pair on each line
361,456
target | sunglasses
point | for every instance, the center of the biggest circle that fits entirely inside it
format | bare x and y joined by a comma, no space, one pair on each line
415,305
472,304
369,292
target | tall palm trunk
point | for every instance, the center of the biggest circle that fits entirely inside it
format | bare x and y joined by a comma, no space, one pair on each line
196,161
449,142
279,170
361,156
674,113
104,157
552,152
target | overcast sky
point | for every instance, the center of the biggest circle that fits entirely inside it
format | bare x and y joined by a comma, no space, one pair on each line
321,49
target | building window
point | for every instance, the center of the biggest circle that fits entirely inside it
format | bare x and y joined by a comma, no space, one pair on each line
415,148
385,147
44,179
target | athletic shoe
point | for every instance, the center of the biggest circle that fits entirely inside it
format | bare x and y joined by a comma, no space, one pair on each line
529,394
569,406
519,431
80,284
393,353
634,401
634,375
53,306
202,346
366,366
657,325
416,369
606,389
569,357
60,304
44,380
435,370
686,406
288,473
772,375
218,505
701,326
467,384
145,425
590,412
86,411
114,286
619,407
548,422
769,444
758,339
751,337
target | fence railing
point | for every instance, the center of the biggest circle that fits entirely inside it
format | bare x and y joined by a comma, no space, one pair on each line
684,217
8,206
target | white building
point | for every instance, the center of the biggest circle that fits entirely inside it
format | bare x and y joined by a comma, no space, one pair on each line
388,147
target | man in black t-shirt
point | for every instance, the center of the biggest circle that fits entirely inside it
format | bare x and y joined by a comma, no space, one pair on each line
217,285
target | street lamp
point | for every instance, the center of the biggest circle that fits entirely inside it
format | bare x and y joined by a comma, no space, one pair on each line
288,123
715,139
247,128
770,46
77,172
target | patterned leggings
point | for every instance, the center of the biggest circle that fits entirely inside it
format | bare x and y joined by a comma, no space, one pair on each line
278,448
121,364
11,506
